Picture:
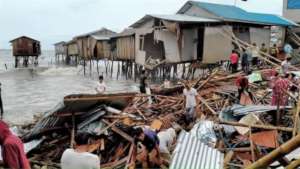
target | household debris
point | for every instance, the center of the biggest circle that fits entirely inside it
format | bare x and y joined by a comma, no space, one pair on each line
227,134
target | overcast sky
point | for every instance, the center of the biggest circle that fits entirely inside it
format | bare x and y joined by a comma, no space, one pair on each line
51,21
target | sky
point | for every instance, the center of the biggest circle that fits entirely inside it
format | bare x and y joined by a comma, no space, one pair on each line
51,21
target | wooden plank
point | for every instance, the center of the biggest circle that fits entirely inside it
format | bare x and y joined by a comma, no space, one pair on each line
120,132
267,127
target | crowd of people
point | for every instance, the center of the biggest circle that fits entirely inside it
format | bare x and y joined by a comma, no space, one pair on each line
250,57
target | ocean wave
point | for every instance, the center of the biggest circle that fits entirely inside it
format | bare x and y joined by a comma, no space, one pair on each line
55,71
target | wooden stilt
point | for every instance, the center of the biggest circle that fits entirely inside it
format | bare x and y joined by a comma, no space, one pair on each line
112,68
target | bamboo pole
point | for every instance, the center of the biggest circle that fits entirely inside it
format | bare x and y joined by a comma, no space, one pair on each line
277,153
267,127
293,164
296,119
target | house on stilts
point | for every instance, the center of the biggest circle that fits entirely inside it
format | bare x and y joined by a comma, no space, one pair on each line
200,32
26,49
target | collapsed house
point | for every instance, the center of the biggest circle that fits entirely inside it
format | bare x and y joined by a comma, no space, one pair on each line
190,34
94,45
123,45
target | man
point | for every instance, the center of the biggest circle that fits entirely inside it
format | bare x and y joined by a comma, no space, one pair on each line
101,87
243,84
1,105
13,153
274,52
190,101
234,60
255,54
143,82
263,48
166,139
150,155
245,61
80,158
285,65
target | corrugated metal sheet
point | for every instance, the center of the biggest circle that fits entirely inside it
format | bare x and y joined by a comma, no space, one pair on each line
100,37
293,4
228,12
184,18
191,153
243,110
174,18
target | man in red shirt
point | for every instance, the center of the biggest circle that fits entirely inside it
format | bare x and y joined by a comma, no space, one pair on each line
12,149
234,60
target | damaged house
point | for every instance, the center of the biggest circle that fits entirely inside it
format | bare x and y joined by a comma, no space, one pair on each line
191,34
94,45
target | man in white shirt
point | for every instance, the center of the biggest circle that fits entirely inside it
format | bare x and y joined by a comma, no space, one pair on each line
166,139
190,103
79,158
101,86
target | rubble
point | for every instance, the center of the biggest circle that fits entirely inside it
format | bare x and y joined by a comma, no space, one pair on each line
230,135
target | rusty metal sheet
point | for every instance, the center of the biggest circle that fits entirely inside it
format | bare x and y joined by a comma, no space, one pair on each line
266,139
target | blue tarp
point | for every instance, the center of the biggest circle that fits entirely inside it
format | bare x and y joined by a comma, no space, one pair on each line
293,4
229,12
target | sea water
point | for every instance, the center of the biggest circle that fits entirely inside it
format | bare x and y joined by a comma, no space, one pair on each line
34,90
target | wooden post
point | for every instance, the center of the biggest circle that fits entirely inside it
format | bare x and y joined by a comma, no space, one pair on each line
90,67
296,119
279,152
73,130
112,68
84,64
251,145
98,67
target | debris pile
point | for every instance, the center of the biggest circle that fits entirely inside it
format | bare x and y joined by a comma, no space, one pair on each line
229,132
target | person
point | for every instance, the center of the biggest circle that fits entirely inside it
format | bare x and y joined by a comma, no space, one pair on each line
285,65
12,147
263,48
166,139
79,157
245,61
274,52
279,92
243,85
143,82
150,141
1,104
255,54
190,101
234,60
101,86
288,49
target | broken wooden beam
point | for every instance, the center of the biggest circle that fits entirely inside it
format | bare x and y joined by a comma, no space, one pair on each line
267,127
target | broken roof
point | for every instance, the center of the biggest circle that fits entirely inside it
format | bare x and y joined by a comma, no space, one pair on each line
102,31
182,18
233,13
60,43
190,152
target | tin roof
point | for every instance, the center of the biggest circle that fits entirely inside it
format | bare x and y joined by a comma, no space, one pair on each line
174,18
233,13
100,37
191,153
26,37
125,32
293,4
